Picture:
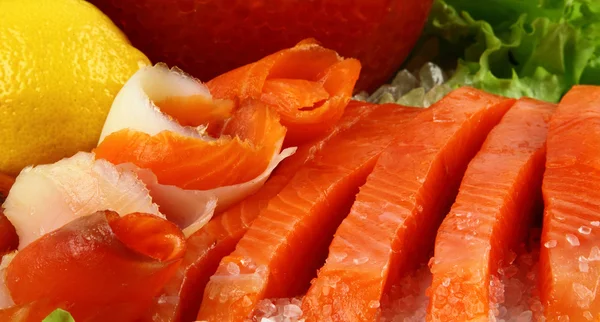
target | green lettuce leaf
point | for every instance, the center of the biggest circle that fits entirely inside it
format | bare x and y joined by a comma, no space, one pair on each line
59,315
535,48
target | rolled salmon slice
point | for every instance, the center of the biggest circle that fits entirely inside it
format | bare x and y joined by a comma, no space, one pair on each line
308,85
103,267
284,246
198,155
570,256
492,214
46,197
181,297
392,224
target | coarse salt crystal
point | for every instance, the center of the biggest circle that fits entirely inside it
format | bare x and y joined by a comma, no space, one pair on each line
595,223
338,257
594,254
588,315
246,301
585,230
550,244
233,268
374,304
359,261
446,282
572,239
584,294
292,311
584,267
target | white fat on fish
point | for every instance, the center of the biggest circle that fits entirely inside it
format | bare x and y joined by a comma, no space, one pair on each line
134,108
192,209
46,197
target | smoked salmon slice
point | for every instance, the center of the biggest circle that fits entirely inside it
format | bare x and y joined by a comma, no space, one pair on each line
392,224
492,214
570,256
244,151
284,246
104,267
181,297
308,85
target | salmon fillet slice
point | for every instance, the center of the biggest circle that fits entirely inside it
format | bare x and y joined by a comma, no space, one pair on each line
570,258
392,224
492,214
180,300
285,245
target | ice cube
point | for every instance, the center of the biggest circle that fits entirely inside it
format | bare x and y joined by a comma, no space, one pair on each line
431,75
405,81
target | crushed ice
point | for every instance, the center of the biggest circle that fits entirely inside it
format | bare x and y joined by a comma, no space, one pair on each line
419,88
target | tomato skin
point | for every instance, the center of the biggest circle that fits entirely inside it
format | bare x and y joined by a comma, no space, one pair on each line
209,37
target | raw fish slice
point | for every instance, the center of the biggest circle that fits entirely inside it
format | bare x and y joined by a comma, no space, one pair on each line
391,227
46,197
308,85
105,267
284,246
181,297
570,258
152,94
30,312
251,139
491,215
159,122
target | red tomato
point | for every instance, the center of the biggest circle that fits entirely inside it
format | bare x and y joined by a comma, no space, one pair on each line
209,37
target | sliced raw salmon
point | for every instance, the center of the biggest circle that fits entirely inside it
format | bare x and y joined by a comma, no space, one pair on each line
46,197
31,312
288,241
570,258
198,155
105,267
392,224
491,215
249,141
181,297
308,85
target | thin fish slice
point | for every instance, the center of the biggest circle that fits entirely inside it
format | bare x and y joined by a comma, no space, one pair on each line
392,224
285,245
46,197
492,213
103,266
198,155
308,85
181,297
570,256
